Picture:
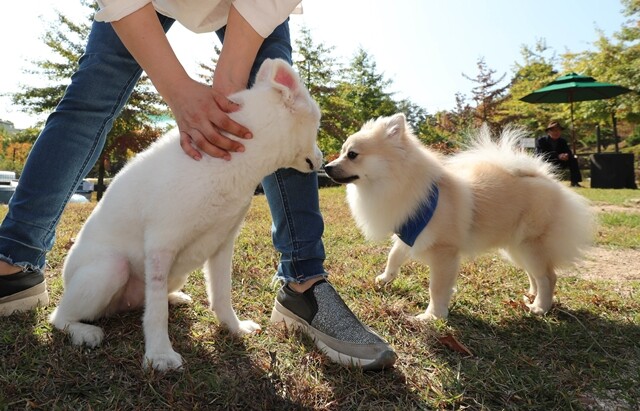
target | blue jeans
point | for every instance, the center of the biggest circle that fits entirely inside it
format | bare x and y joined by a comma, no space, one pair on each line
73,138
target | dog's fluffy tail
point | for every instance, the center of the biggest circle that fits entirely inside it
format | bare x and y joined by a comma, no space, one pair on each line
574,224
507,150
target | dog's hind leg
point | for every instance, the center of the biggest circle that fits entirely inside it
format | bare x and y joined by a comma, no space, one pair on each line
217,271
444,263
158,350
542,276
398,255
87,296
514,257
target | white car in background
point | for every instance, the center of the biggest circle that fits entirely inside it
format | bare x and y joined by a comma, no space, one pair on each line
8,184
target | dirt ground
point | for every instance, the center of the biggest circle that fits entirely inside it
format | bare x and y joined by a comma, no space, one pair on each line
607,263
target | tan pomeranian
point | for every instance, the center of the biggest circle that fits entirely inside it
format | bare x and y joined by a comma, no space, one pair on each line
438,209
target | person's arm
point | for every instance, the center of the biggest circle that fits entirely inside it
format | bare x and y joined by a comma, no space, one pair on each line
241,45
564,151
543,149
200,111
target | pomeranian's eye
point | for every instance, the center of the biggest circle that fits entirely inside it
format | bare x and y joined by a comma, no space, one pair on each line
352,155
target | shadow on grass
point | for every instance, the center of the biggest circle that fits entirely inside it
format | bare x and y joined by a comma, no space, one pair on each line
567,359
41,369
348,388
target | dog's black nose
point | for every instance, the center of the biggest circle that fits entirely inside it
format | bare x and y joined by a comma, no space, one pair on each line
328,169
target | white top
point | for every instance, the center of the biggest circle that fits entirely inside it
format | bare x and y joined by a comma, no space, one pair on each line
202,16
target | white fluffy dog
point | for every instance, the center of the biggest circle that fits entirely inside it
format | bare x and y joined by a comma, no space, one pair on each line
493,195
166,215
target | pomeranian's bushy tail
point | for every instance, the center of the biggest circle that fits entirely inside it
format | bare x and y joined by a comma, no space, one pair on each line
506,150
574,227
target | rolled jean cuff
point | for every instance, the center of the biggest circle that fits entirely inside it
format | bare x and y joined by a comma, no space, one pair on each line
300,271
21,255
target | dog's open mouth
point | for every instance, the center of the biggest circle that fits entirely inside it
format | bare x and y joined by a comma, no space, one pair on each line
345,180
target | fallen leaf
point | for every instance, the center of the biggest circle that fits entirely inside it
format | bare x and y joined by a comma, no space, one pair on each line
452,343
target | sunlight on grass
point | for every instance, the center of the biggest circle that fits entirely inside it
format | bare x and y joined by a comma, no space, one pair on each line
583,352
621,197
619,229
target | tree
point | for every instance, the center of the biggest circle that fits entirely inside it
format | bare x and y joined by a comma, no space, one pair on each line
66,40
615,61
317,68
365,88
535,72
488,96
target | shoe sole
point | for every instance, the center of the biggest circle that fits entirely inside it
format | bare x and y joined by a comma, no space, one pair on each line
386,359
25,300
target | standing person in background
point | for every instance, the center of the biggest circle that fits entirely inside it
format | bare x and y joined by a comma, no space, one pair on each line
555,149
127,38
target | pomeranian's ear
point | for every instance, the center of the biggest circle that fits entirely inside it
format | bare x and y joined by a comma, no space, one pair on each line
396,125
281,76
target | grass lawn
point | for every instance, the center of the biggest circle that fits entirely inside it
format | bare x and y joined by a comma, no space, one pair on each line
491,354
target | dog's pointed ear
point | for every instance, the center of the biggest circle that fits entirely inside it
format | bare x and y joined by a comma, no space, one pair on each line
280,75
396,126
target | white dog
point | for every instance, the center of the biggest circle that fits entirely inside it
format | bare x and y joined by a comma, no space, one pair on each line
493,195
166,215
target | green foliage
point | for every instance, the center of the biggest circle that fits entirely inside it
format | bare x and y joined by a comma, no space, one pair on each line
349,95
615,60
67,39
353,92
318,69
634,139
488,96
583,352
535,72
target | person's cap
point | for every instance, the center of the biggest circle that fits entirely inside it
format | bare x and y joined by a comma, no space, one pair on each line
552,125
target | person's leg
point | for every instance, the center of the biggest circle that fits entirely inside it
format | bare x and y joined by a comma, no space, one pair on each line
63,154
292,196
574,170
306,300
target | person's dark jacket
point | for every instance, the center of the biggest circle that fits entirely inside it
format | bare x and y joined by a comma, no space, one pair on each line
550,150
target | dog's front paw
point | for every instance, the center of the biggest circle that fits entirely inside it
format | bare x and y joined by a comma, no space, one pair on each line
164,361
247,327
86,334
179,298
537,307
433,314
384,279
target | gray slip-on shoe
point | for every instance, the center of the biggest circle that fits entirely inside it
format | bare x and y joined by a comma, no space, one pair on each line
323,315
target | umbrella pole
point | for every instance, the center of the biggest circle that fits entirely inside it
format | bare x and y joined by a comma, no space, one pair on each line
615,130
573,131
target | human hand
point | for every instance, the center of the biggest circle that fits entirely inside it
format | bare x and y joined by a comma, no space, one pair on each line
563,156
202,115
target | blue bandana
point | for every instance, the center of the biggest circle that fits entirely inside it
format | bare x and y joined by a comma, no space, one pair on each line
411,229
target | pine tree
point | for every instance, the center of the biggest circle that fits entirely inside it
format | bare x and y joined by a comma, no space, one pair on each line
132,131
488,95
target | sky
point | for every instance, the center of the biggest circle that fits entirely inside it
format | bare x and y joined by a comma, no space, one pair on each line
422,46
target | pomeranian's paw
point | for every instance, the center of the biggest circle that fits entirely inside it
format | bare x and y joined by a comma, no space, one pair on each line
384,279
432,314
538,310
537,307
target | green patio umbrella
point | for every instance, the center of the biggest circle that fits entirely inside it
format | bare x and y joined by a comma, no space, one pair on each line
574,87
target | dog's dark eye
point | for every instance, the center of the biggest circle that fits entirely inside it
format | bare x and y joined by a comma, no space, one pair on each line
352,155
